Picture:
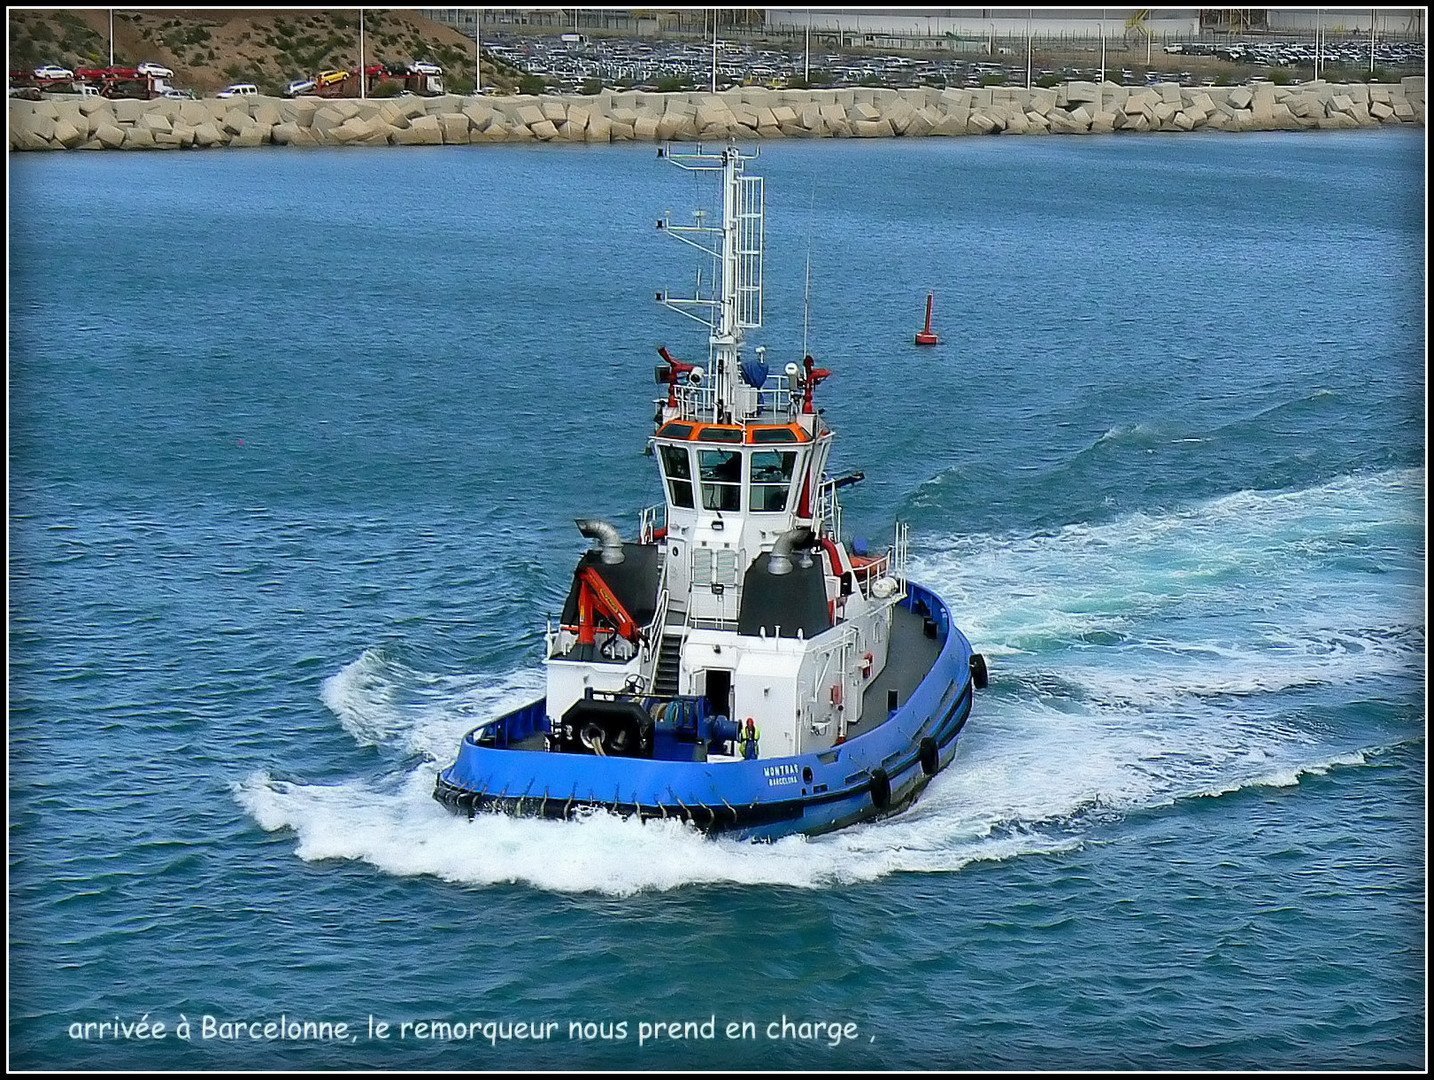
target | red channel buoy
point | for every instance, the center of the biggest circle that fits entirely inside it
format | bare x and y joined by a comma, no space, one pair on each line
926,337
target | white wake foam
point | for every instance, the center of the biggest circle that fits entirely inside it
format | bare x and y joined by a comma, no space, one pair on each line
1132,666
382,702
405,832
1251,593
1033,788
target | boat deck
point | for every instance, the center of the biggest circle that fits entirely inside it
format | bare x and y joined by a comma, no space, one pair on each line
909,656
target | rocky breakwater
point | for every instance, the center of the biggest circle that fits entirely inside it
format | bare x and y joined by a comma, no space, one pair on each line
748,113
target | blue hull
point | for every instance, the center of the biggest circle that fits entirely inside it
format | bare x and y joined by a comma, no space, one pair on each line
870,776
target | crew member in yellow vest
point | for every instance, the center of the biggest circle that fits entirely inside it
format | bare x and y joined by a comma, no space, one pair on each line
747,739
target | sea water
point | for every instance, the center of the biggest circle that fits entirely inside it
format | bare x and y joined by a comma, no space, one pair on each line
296,443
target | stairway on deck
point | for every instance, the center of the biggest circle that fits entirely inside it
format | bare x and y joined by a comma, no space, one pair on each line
669,666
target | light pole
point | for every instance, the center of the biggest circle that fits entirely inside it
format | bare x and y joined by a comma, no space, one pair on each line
807,53
1102,44
1028,48
112,37
477,50
362,71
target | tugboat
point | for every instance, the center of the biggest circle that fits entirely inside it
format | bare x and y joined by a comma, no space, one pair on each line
737,666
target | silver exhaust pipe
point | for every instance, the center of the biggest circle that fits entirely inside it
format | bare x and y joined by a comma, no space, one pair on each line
780,560
607,536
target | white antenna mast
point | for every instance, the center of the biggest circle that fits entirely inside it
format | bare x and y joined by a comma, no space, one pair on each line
807,303
736,245
807,292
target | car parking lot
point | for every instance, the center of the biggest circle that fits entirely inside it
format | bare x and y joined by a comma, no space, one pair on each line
572,66
615,63
1352,52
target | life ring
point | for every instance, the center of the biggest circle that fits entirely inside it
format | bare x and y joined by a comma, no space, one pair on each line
880,788
979,675
930,756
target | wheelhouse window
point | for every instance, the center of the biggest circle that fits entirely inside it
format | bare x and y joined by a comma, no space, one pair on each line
678,468
783,433
721,475
771,479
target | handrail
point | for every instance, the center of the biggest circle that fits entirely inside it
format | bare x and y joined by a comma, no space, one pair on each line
828,510
652,637
650,519
776,400
898,555
703,622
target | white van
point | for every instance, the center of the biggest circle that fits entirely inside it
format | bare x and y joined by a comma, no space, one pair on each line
240,89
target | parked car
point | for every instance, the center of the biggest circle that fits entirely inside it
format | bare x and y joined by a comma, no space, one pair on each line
157,70
178,95
328,78
299,86
425,67
53,71
239,89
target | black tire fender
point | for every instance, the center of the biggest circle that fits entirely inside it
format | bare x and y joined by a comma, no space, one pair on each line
880,788
979,675
930,756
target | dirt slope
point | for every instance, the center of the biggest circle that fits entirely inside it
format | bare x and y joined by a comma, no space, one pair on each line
210,48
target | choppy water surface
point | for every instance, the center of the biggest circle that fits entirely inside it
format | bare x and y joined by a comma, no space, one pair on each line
296,440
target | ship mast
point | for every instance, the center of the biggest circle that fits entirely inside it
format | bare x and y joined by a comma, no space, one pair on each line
736,245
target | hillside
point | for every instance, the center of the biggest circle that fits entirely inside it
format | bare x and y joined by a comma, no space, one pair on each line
208,49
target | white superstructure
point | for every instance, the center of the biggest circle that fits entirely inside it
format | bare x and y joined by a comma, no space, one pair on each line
739,589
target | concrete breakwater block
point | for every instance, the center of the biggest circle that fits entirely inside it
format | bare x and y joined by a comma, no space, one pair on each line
745,114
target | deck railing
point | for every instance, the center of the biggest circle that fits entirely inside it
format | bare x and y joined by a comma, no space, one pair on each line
777,402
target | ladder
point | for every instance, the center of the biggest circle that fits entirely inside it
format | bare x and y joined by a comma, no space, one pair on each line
669,666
